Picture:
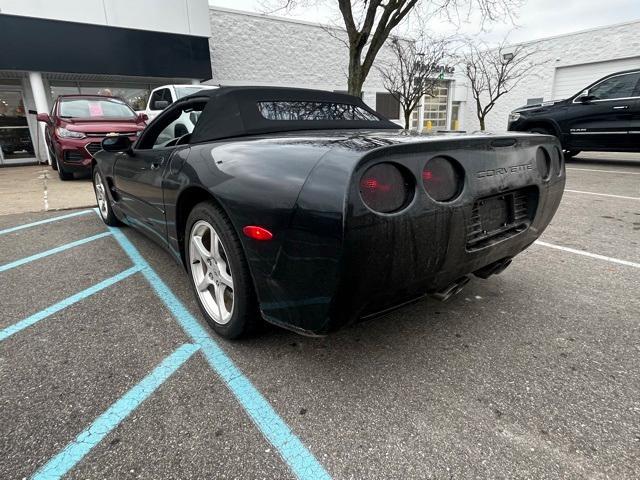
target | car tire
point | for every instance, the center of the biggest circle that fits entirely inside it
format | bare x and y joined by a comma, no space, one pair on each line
54,161
215,259
568,154
102,198
62,173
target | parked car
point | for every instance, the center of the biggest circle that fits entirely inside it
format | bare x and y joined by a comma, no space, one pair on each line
605,116
164,96
78,123
310,210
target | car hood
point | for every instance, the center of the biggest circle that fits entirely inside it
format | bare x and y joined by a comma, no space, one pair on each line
101,126
539,106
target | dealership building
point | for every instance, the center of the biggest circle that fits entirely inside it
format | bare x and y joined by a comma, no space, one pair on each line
128,48
568,64
118,47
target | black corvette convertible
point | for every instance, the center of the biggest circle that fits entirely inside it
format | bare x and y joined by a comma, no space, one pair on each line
310,210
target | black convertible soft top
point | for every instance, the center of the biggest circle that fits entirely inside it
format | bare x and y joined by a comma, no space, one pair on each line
238,111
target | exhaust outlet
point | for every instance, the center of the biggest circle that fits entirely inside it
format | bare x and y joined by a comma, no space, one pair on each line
453,289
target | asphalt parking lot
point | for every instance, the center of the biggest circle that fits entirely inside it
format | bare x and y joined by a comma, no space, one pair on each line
107,369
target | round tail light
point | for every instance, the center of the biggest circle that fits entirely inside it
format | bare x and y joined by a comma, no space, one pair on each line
543,161
385,188
443,179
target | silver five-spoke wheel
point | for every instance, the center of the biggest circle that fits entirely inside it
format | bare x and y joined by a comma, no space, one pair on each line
101,195
211,272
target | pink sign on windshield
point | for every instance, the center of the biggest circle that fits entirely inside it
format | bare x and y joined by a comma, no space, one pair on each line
95,109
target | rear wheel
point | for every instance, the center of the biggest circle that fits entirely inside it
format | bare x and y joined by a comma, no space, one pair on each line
219,272
54,161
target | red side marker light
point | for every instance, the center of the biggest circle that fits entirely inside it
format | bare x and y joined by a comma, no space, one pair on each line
257,233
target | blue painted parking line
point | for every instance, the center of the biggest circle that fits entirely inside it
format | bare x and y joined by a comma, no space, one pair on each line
42,222
53,251
66,459
296,455
56,307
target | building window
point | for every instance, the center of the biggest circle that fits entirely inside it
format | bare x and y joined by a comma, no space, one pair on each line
455,116
534,101
387,106
435,109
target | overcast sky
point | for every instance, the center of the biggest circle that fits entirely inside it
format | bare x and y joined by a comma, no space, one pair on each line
537,19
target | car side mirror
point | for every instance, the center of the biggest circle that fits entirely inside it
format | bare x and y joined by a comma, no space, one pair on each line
160,104
142,117
43,117
120,143
586,98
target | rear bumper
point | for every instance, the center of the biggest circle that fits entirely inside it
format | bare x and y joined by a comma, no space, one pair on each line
382,261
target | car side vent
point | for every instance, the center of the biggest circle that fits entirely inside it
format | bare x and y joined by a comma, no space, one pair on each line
501,216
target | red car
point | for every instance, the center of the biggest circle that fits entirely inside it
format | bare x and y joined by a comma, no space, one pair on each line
77,125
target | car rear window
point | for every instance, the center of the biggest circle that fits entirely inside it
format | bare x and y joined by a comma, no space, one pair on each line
310,110
95,107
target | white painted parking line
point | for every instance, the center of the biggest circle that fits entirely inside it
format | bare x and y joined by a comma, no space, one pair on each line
602,194
620,172
589,254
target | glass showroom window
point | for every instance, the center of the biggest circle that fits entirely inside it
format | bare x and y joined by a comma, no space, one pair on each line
134,95
63,88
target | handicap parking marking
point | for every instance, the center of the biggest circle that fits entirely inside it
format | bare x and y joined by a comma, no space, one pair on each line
53,251
73,453
588,254
296,455
42,222
42,314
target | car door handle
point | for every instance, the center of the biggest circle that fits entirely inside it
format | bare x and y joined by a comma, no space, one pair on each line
621,107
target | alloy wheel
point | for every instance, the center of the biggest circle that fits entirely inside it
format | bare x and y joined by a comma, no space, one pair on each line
211,272
101,195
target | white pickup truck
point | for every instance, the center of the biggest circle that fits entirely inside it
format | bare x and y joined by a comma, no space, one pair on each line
164,96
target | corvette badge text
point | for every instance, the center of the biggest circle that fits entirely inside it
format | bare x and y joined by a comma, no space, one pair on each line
504,170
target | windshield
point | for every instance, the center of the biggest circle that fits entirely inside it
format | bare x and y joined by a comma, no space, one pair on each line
184,91
307,110
95,107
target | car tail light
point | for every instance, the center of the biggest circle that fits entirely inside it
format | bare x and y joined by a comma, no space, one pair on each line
385,188
443,179
543,161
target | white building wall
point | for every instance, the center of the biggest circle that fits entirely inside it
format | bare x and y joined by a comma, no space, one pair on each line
596,45
188,17
253,49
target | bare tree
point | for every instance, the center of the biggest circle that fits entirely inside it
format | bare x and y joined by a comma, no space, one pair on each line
494,72
415,71
369,23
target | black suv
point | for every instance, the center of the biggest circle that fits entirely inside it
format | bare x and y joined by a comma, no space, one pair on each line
605,116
